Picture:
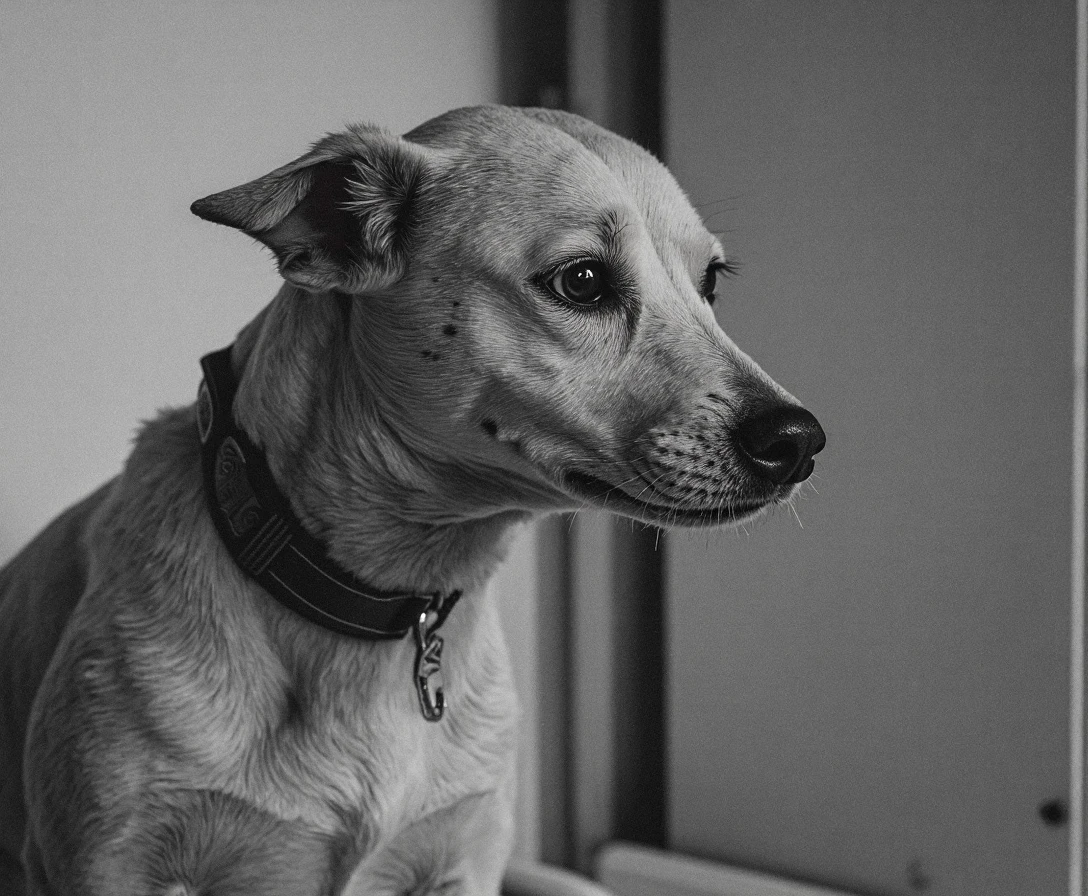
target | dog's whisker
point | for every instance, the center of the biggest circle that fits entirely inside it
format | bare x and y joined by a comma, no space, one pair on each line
702,205
796,515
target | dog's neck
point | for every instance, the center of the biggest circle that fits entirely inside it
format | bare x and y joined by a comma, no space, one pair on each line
383,513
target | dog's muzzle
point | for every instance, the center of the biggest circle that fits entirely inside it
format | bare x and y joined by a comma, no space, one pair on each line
708,470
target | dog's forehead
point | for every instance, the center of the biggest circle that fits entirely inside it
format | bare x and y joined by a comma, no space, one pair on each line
659,198
539,167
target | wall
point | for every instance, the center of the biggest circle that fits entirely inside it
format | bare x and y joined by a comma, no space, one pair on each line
879,699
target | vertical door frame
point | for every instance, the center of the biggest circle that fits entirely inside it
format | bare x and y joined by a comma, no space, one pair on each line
1078,847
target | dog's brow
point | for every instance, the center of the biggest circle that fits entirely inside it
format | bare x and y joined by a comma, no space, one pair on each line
609,228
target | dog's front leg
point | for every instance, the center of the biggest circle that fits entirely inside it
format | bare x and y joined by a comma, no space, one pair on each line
461,850
190,842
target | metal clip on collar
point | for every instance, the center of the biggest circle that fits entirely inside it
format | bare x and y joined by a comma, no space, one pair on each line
429,663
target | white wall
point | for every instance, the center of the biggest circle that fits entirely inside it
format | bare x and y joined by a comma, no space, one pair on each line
880,699
115,117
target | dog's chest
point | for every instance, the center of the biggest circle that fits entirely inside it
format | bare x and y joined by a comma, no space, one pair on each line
348,752
320,757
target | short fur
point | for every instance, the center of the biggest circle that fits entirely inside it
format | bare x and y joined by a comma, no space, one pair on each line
419,391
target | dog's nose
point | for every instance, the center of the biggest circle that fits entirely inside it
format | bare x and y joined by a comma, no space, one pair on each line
779,443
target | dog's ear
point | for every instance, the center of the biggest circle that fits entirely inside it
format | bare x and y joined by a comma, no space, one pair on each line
340,217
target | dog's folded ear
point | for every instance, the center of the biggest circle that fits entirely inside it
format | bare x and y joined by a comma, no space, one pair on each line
340,217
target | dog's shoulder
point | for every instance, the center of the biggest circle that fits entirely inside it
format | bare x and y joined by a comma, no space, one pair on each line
41,586
39,589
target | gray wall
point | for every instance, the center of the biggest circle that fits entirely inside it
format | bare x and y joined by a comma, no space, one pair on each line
879,699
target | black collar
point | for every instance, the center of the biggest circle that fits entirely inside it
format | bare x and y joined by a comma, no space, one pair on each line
266,539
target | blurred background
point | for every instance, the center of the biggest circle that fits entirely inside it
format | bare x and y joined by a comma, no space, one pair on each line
873,694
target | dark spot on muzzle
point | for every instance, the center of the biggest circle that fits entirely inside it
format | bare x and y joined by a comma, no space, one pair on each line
778,443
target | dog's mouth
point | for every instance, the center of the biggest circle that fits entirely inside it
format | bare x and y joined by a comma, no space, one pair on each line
611,497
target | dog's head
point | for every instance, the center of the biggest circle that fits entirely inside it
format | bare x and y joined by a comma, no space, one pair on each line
525,306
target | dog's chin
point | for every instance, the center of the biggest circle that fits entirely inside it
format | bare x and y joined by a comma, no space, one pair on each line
609,497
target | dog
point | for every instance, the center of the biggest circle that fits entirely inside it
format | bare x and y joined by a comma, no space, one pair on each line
263,658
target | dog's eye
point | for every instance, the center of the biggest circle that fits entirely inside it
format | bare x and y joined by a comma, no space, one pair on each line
710,279
582,283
